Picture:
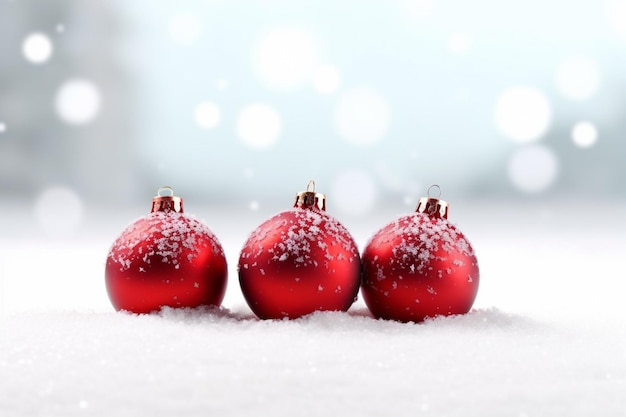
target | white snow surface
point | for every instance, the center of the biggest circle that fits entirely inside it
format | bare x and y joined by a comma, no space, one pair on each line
546,336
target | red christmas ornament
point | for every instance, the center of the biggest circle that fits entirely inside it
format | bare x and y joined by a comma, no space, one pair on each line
300,261
167,258
419,266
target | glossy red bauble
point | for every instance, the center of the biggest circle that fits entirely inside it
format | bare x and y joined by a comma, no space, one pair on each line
419,266
167,258
299,261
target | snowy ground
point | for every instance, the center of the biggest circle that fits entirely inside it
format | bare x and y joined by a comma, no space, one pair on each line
546,337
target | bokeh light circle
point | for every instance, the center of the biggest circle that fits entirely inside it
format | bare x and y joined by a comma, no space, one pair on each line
285,58
184,28
37,48
326,79
207,115
459,43
354,192
584,134
616,15
523,113
77,101
259,126
362,116
59,210
533,168
578,78
419,9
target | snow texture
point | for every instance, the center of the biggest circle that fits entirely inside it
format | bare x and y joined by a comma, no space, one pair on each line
164,235
204,362
546,336
423,239
299,232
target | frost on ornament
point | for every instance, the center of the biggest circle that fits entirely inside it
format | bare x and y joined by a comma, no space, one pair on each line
162,237
299,261
304,238
419,266
167,258
423,242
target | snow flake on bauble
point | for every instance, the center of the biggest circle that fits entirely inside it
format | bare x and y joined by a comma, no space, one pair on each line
301,237
163,237
420,241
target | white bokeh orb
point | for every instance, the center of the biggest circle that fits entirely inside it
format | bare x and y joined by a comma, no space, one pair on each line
584,134
459,43
184,28
578,78
523,113
419,9
362,116
3,127
207,115
533,168
59,210
77,101
259,126
326,79
284,59
615,11
37,48
354,192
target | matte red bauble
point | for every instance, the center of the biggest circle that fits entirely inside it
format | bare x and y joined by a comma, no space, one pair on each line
167,258
300,261
419,266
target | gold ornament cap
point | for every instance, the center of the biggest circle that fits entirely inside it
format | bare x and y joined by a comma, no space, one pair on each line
166,203
310,198
433,206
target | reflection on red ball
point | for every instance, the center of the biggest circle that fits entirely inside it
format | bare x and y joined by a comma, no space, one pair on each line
165,259
297,262
418,267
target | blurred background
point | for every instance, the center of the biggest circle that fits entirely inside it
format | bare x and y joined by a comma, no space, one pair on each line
516,109
238,104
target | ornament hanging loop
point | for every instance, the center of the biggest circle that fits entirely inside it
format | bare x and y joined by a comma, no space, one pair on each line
166,203
438,189
433,207
310,198
165,188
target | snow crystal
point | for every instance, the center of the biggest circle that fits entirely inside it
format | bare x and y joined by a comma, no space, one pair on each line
164,236
301,231
418,240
